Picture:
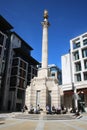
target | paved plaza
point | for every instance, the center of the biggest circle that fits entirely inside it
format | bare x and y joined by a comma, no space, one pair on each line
37,122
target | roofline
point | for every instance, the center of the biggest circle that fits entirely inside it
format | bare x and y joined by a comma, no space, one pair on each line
19,50
6,22
78,36
22,40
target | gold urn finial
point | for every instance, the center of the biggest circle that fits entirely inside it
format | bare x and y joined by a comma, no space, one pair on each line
45,14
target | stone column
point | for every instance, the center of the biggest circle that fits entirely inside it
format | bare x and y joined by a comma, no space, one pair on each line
44,70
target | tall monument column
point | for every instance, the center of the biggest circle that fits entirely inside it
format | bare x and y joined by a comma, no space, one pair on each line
44,89
43,72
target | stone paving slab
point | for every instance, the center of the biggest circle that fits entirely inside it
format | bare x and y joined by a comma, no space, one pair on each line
41,124
23,124
18,125
66,125
2,120
57,126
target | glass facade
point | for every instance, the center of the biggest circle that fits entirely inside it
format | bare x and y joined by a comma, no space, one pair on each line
19,71
15,57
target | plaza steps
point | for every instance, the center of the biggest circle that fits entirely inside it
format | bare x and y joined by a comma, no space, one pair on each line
58,117
45,117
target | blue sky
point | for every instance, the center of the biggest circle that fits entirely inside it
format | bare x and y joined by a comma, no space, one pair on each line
68,19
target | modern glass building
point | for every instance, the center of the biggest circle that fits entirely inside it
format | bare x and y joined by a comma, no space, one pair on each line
17,68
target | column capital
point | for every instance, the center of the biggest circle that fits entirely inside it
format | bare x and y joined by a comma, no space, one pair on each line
45,24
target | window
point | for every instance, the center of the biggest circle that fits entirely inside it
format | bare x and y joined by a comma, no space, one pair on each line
15,62
35,72
78,66
14,71
85,76
22,73
3,68
76,45
1,39
22,64
13,37
29,69
29,77
21,83
20,94
78,77
76,55
85,42
5,55
0,50
53,69
81,95
18,106
13,81
85,64
84,53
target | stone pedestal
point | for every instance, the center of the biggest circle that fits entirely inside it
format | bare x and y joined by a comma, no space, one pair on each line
43,86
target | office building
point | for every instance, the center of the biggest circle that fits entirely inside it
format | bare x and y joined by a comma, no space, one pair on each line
74,71
17,68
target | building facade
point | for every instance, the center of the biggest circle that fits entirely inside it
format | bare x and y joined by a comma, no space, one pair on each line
74,71
18,69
